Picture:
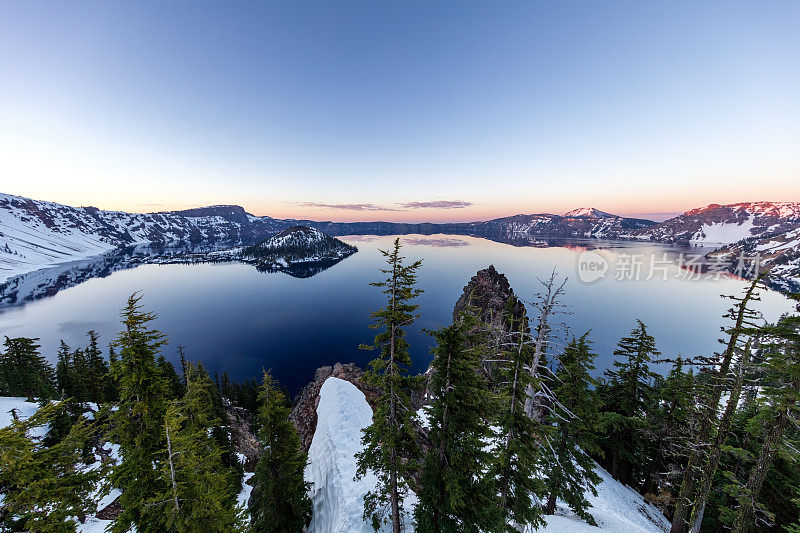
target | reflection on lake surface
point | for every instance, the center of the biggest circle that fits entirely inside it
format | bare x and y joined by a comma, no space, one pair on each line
233,318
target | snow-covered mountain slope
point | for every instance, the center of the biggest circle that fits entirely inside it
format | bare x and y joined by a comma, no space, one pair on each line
35,234
343,412
585,222
725,224
588,212
616,508
777,253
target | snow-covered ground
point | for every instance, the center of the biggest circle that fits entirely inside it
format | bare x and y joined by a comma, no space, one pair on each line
23,409
616,507
343,412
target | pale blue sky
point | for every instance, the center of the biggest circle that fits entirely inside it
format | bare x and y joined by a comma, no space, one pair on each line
294,108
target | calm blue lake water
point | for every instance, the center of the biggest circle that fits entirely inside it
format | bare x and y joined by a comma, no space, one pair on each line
233,318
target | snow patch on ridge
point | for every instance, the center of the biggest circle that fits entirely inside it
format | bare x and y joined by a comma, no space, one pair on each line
723,233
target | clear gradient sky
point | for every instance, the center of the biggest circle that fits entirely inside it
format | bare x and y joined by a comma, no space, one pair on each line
401,110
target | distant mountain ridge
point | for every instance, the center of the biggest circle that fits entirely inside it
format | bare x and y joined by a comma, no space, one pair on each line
717,224
35,234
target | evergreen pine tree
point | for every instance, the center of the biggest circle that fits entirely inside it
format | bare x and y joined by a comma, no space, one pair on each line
669,423
174,382
199,494
742,316
24,371
44,486
781,395
454,495
390,449
279,502
569,471
627,396
110,386
139,420
64,370
97,369
182,359
80,377
795,527
518,451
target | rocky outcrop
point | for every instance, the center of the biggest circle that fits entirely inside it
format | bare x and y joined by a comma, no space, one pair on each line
243,438
304,410
491,294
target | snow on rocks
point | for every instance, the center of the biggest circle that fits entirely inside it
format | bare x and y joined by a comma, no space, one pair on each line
338,500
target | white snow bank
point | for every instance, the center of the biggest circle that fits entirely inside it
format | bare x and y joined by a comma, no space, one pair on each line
616,508
244,495
338,500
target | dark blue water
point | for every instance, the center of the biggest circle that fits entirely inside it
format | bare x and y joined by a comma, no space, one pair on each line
235,319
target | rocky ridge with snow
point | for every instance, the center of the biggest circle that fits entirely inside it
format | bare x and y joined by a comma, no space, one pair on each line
37,234
725,224
767,232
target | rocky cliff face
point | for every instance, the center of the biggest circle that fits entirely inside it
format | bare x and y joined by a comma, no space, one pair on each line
497,307
240,422
491,294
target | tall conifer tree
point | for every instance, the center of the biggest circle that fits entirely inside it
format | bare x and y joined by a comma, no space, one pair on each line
97,369
280,501
781,397
390,448
628,395
139,421
455,495
518,448
742,316
199,493
24,371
